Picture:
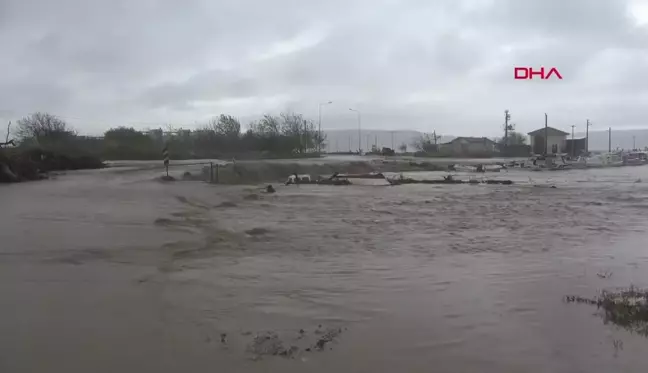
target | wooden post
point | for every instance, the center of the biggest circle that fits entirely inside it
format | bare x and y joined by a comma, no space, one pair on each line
217,176
211,172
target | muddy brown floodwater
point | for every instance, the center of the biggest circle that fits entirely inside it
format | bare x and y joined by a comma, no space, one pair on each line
109,271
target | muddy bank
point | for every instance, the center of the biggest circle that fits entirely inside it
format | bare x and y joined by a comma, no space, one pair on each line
33,164
276,171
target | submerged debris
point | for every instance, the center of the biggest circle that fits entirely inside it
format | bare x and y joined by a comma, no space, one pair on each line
627,309
446,180
292,344
167,178
269,343
328,336
256,231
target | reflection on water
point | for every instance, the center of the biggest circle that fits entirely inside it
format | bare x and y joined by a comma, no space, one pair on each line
115,272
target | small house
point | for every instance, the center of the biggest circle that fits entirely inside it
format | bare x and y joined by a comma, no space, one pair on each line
471,146
555,143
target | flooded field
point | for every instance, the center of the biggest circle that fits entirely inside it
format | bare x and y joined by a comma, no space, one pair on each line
109,271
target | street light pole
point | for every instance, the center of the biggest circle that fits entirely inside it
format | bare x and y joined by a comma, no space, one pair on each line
546,137
587,126
319,126
359,130
572,143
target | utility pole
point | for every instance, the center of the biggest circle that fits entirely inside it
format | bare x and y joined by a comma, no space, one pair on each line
587,126
634,145
572,143
610,140
546,137
349,144
319,126
436,138
507,117
376,141
368,137
359,131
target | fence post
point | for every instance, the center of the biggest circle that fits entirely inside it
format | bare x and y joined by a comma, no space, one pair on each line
211,172
217,176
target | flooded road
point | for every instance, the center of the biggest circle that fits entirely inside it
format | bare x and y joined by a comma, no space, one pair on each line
105,271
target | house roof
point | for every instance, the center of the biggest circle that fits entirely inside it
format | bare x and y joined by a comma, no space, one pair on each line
474,140
550,130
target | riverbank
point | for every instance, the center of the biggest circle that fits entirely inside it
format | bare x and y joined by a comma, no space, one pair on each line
18,164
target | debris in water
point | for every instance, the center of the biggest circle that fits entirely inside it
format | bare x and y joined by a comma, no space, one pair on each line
618,346
167,178
270,344
256,231
270,189
227,204
605,274
252,197
223,337
626,308
329,336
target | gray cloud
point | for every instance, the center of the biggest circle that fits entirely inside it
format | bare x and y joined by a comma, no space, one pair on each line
445,65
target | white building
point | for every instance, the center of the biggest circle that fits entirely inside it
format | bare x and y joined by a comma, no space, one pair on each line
556,141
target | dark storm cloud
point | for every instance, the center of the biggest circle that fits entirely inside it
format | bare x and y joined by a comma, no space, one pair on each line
406,64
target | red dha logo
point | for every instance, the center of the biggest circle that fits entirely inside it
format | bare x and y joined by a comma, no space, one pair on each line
528,73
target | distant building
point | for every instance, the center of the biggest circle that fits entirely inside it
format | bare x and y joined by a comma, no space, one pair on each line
575,146
556,142
470,146
184,133
156,135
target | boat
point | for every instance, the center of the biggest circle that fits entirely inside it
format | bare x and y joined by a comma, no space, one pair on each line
547,163
635,158
603,160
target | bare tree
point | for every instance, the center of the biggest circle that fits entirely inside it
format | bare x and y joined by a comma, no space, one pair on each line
425,143
514,138
43,125
7,141
269,125
226,125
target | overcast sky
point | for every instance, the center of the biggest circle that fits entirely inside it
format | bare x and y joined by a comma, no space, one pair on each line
408,64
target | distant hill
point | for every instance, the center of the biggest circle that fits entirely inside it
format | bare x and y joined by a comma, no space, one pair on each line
343,140
598,140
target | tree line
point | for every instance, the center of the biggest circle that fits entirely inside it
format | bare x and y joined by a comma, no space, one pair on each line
285,135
